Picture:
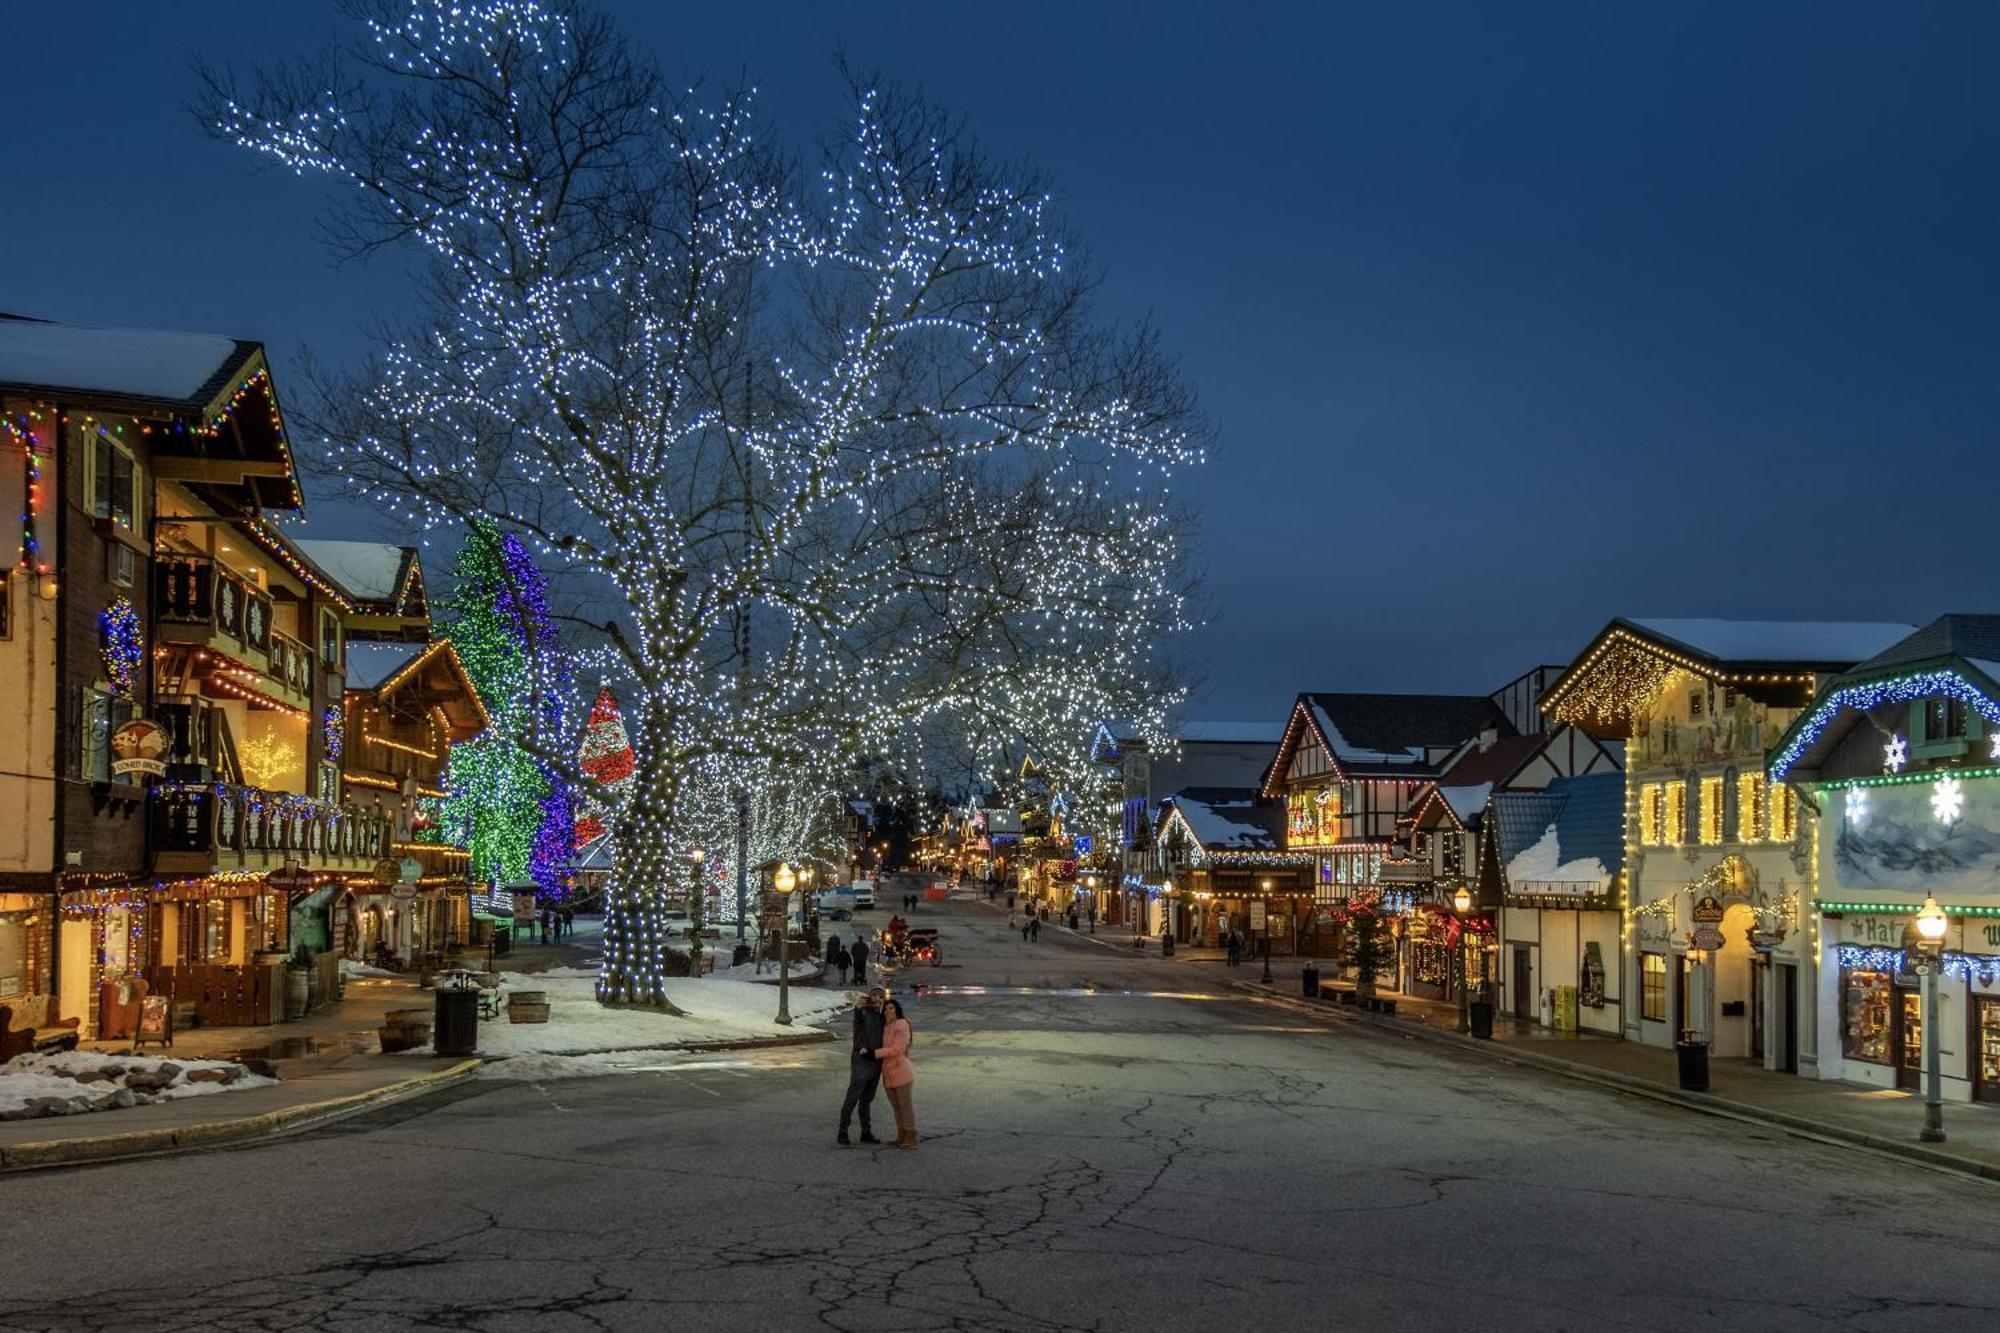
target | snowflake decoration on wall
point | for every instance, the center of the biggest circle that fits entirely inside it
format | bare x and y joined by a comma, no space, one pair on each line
1857,806
1895,754
1993,746
1948,800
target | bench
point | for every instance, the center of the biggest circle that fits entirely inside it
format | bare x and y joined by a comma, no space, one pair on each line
48,1037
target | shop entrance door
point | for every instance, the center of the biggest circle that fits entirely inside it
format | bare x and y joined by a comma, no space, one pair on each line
1524,982
1910,1039
1986,1048
1760,971
1785,1001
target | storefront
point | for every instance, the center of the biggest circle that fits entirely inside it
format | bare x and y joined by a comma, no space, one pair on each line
1880,1010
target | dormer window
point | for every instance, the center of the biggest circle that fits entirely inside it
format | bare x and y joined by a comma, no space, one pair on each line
1941,726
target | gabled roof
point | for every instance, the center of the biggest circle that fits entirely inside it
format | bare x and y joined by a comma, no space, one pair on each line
381,673
1955,656
1386,735
369,664
382,578
1566,840
1629,659
1225,819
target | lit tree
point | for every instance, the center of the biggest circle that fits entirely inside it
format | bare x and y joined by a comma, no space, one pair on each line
833,461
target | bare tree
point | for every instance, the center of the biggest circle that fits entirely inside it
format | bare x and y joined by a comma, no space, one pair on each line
831,457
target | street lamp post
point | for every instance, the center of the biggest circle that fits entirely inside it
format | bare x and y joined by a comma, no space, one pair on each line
1266,886
1931,927
1090,886
1461,904
695,858
784,882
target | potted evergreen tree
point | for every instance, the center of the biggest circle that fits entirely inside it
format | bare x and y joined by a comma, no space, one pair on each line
1365,944
298,983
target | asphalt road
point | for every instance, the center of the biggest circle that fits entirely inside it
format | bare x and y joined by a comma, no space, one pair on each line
1107,1147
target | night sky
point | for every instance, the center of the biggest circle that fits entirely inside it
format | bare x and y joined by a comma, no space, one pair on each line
1513,317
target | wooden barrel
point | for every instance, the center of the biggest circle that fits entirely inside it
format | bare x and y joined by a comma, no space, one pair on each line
528,1006
405,1030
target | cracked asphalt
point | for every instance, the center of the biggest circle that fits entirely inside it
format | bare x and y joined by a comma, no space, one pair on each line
1108,1145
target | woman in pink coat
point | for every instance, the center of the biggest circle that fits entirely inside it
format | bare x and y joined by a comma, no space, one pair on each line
898,1075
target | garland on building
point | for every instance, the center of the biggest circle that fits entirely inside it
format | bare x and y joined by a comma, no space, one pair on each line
124,644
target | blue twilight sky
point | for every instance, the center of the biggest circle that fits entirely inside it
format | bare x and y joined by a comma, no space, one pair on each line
1513,317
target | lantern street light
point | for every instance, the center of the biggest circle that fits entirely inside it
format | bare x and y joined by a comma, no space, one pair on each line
1931,927
1461,904
784,881
1090,886
1265,885
696,857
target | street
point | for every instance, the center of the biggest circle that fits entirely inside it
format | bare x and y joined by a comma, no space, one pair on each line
1108,1144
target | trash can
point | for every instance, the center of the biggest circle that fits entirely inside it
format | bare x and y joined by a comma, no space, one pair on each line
1309,980
1693,1056
740,955
1166,946
456,1027
1481,1013
503,942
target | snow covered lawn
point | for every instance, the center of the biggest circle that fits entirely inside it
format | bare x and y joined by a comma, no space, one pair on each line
717,1010
74,1082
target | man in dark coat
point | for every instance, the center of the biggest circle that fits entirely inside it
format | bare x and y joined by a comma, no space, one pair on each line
864,1074
859,953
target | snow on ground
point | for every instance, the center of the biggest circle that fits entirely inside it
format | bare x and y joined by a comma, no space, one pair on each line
717,1010
350,967
73,1082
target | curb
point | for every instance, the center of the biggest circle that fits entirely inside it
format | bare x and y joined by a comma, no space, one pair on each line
1706,1103
190,1138
813,1038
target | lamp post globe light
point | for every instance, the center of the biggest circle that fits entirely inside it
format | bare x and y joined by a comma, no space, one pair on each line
1265,885
1461,904
784,881
696,858
1932,924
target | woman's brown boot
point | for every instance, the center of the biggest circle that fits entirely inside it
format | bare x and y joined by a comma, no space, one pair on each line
907,1139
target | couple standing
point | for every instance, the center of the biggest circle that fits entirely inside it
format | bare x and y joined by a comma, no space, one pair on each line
880,1054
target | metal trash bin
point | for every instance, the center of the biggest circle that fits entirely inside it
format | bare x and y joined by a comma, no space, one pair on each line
740,955
455,1030
1166,946
1693,1058
1481,1014
1309,980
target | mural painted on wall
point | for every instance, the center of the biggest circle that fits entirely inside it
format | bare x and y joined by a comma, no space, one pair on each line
1900,843
1312,818
1696,721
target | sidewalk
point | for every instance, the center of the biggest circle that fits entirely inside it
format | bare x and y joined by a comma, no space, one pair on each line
1845,1112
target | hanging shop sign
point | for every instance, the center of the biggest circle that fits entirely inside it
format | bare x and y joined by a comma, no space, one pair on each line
1258,920
1708,910
289,879
1705,937
140,746
409,870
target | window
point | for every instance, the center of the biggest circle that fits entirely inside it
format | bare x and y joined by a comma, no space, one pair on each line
16,931
1942,726
103,713
112,492
1943,719
1749,807
1649,815
1711,810
1674,827
1784,814
1653,987
329,638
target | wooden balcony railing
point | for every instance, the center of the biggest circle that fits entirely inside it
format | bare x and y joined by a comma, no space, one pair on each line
198,828
188,590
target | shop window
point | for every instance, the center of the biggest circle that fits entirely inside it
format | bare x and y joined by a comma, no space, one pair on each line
1784,814
1749,807
1650,811
1653,987
14,931
113,488
1867,999
329,638
1674,822
103,713
1711,810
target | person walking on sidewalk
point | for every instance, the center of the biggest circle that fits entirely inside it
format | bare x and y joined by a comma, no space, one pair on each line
1035,929
859,955
897,1072
1235,948
841,962
863,1073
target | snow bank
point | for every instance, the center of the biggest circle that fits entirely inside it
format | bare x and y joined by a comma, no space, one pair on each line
74,1082
350,967
717,1010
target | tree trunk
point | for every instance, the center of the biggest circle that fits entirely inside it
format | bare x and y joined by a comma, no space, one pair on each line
633,972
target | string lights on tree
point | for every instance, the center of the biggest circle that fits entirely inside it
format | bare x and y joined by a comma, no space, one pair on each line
831,468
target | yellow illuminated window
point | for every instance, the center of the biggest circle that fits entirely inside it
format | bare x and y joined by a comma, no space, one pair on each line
1676,830
1749,807
1784,815
1711,810
1653,987
1649,815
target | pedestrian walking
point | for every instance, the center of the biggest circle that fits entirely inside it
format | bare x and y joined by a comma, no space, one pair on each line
1024,930
832,948
859,955
1035,930
840,962
546,914
1235,948
863,1072
568,921
893,1055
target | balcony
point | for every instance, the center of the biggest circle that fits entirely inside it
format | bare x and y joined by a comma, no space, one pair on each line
198,605
215,828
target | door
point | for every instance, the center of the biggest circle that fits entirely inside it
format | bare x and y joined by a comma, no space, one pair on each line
73,944
1786,1018
1910,1039
1524,982
1684,1024
1760,972
1986,1048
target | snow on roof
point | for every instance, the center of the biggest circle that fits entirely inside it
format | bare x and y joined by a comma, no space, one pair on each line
1540,868
1565,839
1247,733
143,363
1229,818
368,570
1822,641
369,664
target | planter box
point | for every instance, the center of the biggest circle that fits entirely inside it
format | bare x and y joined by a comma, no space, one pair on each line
528,1006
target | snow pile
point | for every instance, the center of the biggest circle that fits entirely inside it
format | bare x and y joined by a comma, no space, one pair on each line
716,1010
73,1082
1541,869
801,971
350,967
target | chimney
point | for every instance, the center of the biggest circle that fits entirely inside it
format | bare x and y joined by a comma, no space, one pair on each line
1488,738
